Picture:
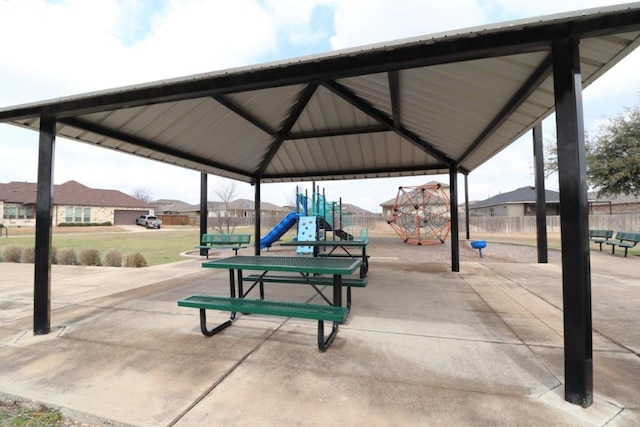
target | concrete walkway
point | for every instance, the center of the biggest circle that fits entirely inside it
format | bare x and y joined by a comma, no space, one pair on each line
422,346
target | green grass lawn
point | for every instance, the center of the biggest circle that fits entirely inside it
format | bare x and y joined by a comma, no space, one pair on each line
157,246
165,246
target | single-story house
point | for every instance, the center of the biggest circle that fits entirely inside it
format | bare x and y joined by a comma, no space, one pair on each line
240,208
387,207
72,203
617,204
520,202
172,207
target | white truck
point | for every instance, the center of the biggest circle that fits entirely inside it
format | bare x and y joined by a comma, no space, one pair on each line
149,221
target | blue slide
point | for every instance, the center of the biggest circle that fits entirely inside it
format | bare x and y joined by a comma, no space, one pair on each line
276,232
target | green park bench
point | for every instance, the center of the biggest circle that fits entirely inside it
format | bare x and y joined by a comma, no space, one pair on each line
600,236
224,241
625,240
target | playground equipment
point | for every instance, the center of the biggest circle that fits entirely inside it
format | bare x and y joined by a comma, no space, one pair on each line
421,215
479,245
276,232
319,217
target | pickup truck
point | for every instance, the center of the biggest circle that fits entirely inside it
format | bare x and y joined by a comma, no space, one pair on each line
149,221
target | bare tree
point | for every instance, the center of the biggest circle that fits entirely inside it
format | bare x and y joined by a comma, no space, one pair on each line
143,194
226,193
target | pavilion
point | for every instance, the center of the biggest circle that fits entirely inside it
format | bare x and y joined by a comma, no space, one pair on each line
442,103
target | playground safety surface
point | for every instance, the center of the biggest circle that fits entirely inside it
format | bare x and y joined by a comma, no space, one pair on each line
422,346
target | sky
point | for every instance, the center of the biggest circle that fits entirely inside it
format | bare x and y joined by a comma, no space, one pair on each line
55,48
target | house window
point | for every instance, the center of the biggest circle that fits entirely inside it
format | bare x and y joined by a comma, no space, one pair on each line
77,214
18,212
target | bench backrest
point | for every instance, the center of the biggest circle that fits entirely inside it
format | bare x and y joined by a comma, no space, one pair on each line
624,235
224,239
607,234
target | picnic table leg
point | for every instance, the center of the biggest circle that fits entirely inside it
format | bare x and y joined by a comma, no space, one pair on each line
364,268
323,344
337,301
203,313
203,324
240,288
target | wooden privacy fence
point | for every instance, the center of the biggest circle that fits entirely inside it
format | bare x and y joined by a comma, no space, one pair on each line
523,224
527,224
176,220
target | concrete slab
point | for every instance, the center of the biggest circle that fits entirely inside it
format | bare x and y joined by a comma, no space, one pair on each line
283,395
421,346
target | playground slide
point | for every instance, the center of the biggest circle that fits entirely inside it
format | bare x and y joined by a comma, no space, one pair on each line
276,232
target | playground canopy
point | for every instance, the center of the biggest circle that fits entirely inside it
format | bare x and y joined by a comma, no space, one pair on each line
410,107
443,103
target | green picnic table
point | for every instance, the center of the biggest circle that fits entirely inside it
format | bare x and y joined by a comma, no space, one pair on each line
237,302
337,249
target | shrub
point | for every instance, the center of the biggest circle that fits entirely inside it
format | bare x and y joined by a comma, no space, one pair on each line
135,260
28,255
67,256
53,255
12,254
84,224
113,258
90,257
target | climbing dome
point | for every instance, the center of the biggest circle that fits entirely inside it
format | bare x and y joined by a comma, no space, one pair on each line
421,215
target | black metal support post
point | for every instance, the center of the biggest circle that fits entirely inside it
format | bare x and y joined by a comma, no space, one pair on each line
204,214
541,199
574,224
455,237
258,216
466,204
44,199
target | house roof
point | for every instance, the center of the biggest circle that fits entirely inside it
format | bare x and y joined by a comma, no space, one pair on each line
615,200
70,193
392,201
239,204
416,106
521,195
171,205
249,205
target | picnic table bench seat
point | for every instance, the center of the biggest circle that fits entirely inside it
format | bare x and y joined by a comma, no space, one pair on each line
224,241
304,280
317,312
600,236
301,279
624,240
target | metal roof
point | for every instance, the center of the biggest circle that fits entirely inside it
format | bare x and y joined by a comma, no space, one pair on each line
411,107
520,195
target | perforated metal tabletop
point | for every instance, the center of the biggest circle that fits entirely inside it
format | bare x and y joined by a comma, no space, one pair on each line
291,264
328,243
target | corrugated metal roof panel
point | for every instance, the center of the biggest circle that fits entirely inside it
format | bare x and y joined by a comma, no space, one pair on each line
326,111
453,91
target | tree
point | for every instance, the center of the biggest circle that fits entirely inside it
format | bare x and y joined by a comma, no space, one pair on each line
226,192
612,155
143,194
614,158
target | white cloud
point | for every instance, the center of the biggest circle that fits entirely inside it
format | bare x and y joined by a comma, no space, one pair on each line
359,22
